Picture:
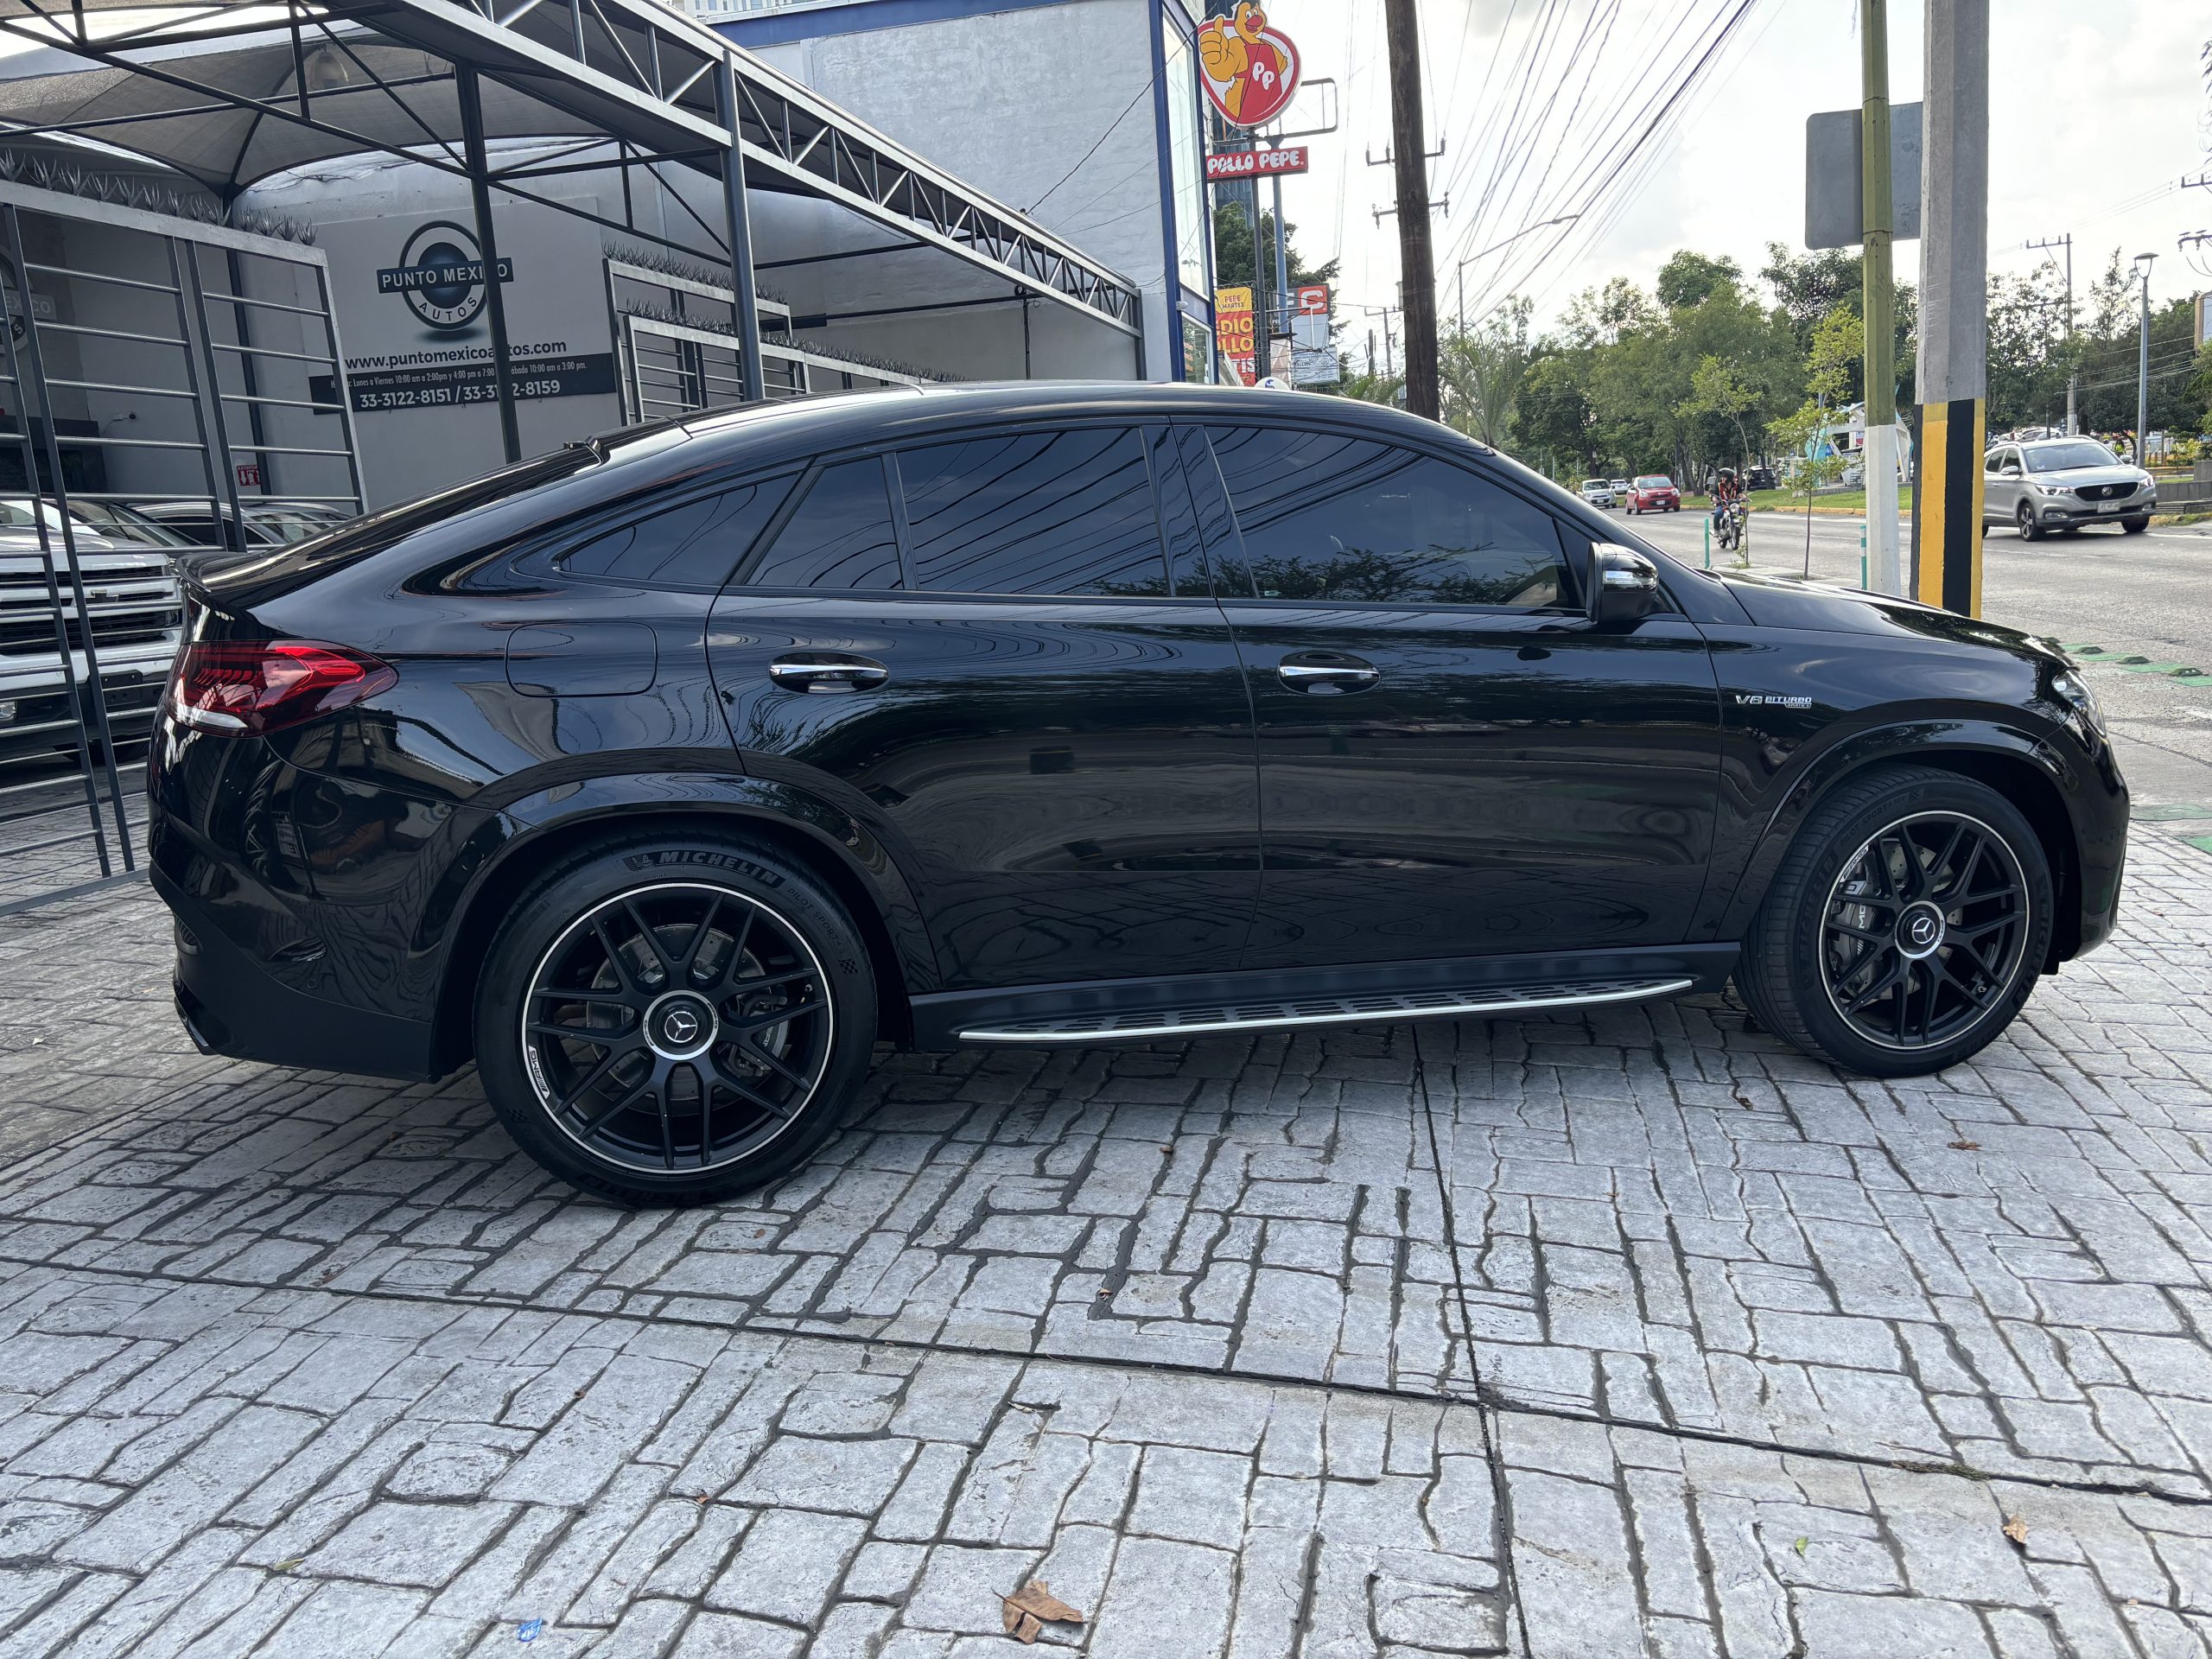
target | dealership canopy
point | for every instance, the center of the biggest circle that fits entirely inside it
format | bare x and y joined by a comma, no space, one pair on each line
229,95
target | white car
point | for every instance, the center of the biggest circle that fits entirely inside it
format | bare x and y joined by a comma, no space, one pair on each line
1598,493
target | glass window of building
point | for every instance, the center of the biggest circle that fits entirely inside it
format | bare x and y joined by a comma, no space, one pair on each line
1186,164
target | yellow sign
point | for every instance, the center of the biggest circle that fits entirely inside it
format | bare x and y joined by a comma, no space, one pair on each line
1232,329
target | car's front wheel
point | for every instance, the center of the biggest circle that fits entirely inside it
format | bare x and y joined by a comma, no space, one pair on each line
669,1020
1906,927
2024,517
2135,525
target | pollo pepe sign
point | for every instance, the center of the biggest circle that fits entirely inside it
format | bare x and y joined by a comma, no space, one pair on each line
1249,69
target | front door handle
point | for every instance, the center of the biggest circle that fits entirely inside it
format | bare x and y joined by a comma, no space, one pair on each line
1326,672
827,671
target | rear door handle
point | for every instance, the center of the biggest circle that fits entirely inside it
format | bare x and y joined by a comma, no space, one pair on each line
1326,672
827,671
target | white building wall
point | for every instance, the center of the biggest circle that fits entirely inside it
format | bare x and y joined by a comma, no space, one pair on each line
1012,102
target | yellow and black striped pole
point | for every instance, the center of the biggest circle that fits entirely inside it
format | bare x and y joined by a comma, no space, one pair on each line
1954,364
1947,512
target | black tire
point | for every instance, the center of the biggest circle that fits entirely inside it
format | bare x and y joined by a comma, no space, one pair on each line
645,1105
1811,952
2024,517
2136,526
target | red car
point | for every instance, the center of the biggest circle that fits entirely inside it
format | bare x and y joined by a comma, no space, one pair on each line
1654,494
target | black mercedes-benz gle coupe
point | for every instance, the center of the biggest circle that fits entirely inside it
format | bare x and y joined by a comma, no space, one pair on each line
665,776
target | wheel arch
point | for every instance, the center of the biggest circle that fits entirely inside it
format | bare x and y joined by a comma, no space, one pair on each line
2026,773
539,834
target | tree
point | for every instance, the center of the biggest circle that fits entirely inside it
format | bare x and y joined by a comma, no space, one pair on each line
1232,250
2029,352
1601,317
1482,370
1689,278
1808,287
1725,390
1553,419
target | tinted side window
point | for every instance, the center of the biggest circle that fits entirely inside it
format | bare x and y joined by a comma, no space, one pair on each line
1327,516
1034,513
841,536
696,545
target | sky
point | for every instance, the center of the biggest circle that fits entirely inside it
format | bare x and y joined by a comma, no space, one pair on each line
2097,112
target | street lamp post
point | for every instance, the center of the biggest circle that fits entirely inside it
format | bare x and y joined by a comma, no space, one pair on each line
1526,230
2143,262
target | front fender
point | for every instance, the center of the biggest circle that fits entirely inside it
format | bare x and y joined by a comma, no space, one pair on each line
1774,815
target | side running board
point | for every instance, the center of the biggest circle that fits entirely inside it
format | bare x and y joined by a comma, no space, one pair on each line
1377,1009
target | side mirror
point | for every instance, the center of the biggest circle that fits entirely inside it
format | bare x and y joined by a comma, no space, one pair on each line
1627,586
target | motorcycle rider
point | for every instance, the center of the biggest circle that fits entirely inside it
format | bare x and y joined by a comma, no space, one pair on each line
1727,492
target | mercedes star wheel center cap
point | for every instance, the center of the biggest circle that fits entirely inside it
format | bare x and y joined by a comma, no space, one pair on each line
1920,930
680,1025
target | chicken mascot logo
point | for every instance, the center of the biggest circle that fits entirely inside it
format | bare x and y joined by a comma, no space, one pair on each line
1250,70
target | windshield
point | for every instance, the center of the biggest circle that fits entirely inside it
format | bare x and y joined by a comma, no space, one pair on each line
126,525
2058,457
1595,484
15,514
1654,483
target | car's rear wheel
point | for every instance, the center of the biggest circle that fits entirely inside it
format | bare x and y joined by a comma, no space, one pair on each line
671,1021
2024,517
1906,927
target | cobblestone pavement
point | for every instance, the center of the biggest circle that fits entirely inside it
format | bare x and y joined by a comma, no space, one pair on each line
1623,1334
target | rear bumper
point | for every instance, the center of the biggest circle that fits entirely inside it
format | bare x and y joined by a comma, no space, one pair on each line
232,1004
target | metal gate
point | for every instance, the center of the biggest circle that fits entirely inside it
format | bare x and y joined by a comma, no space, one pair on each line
155,392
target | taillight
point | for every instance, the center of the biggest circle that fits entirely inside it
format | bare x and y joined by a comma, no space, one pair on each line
245,690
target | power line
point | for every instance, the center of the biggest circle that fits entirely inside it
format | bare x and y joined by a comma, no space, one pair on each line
1641,146
1606,145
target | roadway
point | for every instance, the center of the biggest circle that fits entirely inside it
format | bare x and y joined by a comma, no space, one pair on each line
2139,596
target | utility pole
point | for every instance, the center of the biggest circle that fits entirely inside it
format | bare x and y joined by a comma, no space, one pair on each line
1385,312
1282,259
1418,273
2143,262
2073,375
1879,304
1953,366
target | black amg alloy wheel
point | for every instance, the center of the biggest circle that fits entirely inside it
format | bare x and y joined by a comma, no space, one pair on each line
670,1022
1906,927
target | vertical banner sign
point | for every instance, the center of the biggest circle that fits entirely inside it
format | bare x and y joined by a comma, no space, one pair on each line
1250,69
1313,353
1232,319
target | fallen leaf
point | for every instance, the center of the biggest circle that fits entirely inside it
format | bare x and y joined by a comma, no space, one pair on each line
1800,1545
1743,1099
288,1564
1966,1146
2016,1530
1026,1612
1037,1596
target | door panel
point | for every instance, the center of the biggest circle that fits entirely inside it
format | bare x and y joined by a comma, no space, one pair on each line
1508,784
1069,779
1442,780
